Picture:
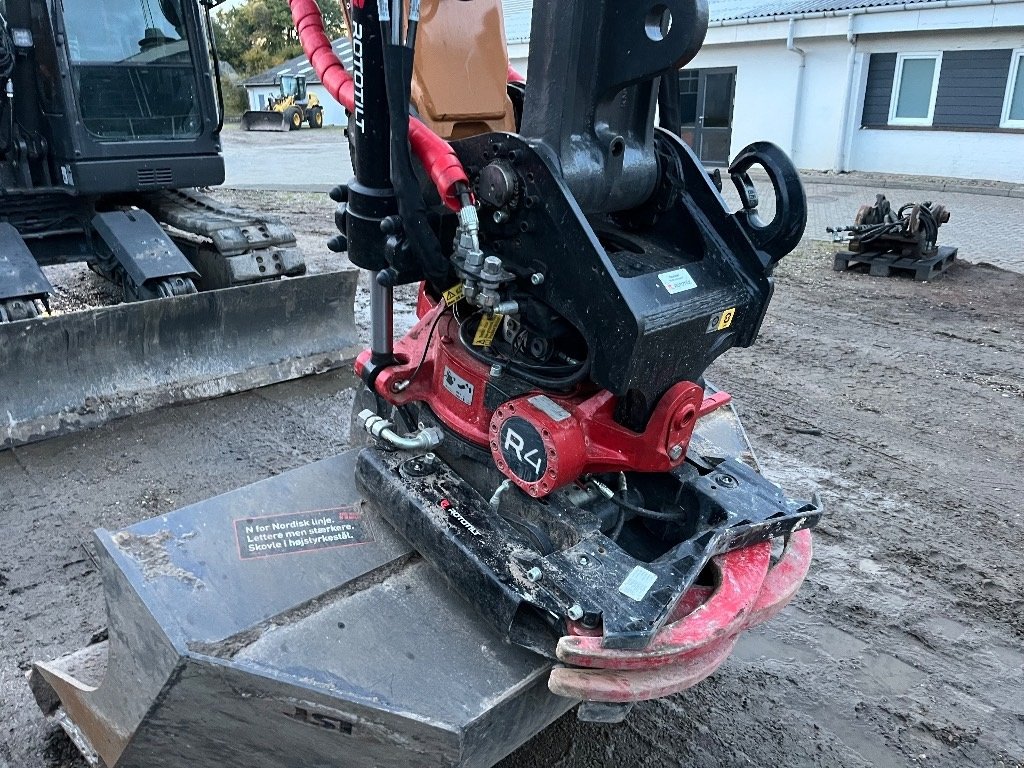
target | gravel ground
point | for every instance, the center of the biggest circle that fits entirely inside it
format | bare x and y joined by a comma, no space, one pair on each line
901,403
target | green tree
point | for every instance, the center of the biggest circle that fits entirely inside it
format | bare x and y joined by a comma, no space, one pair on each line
259,34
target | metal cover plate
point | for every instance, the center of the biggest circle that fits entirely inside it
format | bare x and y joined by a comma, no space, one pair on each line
20,275
351,657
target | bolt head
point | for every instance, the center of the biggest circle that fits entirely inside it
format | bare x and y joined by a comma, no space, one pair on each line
727,481
492,266
575,613
675,452
537,278
496,371
535,574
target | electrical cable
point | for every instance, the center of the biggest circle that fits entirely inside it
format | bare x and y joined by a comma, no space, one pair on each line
6,50
7,60
518,344
426,348
650,514
560,383
620,523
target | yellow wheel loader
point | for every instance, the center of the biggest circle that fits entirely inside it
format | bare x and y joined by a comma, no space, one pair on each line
287,111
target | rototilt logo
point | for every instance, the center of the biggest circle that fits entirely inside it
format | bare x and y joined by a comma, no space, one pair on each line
358,73
447,507
465,523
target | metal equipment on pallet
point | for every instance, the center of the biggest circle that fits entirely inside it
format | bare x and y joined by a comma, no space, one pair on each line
891,242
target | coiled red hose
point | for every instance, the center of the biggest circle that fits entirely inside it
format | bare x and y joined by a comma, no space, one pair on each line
438,158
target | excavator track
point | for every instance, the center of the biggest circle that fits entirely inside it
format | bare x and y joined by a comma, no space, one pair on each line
21,309
227,245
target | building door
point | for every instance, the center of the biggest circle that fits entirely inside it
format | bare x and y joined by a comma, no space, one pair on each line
705,101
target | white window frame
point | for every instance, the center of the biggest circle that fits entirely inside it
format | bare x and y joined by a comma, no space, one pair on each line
1011,83
897,79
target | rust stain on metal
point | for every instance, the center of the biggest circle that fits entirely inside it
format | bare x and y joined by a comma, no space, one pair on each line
153,557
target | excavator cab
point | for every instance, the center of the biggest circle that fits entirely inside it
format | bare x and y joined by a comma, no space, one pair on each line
138,74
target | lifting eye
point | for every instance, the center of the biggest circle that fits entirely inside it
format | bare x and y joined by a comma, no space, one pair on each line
658,23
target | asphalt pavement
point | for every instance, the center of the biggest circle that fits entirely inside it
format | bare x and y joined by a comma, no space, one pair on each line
986,224
305,160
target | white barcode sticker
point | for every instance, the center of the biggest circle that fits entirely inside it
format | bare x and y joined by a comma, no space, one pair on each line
677,281
638,583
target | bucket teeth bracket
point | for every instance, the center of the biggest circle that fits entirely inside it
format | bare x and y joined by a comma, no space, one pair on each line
493,564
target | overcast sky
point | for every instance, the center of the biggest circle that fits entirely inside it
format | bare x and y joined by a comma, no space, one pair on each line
228,4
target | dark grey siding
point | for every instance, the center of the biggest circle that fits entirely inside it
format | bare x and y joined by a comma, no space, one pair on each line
970,95
881,70
971,88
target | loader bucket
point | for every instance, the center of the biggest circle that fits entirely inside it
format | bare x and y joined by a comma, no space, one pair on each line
264,120
283,624
69,372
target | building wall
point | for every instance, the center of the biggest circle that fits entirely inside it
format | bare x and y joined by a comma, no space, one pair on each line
823,131
984,154
334,113
766,97
959,154
258,95
519,57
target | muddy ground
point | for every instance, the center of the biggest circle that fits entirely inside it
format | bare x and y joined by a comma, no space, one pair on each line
901,403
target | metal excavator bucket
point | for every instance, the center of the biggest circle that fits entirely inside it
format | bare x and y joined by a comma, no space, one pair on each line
264,120
62,373
287,624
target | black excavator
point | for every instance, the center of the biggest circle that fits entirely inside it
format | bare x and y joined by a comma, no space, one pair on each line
110,125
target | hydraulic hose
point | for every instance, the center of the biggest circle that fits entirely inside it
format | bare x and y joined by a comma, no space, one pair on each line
398,67
426,439
438,158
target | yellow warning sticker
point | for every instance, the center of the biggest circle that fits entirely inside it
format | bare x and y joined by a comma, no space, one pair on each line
489,325
453,295
727,317
721,320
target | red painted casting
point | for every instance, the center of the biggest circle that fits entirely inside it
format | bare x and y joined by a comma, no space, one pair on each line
749,591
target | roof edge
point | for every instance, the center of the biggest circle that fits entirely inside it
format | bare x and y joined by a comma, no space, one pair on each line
861,11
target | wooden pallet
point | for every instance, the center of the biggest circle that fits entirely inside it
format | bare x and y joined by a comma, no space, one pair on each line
886,264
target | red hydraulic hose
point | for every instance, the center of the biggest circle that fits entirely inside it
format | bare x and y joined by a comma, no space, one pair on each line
438,158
